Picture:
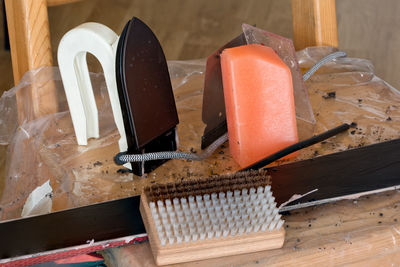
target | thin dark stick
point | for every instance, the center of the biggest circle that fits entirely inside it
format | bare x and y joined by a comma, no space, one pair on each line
300,145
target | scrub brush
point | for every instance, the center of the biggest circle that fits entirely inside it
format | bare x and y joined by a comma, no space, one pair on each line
208,218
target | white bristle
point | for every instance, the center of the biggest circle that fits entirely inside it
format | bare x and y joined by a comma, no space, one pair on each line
244,191
195,236
187,238
279,225
272,225
218,233
249,228
161,209
275,211
210,235
202,236
163,241
222,214
192,230
200,203
264,227
225,232
169,209
270,220
218,208
223,201
260,190
271,199
241,230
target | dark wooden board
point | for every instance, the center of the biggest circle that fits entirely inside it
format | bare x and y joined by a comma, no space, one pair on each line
336,175
98,222
339,174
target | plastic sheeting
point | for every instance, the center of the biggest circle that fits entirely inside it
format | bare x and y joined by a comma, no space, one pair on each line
345,90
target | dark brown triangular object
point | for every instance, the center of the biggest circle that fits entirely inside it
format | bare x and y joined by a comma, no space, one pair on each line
145,94
213,113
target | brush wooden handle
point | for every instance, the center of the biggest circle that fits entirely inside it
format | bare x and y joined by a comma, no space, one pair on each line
206,249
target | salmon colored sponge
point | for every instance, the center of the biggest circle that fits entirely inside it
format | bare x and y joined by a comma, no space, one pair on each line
259,102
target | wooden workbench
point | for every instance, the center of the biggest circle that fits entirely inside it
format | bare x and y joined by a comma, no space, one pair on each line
355,232
361,231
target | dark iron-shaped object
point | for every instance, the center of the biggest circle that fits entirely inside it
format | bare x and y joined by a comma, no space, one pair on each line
213,113
145,94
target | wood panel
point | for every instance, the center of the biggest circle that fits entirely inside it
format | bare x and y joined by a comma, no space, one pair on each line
30,46
314,23
60,2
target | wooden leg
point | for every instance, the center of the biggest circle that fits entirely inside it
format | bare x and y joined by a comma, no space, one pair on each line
29,33
314,23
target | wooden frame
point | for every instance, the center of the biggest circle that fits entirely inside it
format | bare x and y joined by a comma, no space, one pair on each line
29,32
314,23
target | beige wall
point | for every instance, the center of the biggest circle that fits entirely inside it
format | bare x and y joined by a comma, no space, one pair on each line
371,29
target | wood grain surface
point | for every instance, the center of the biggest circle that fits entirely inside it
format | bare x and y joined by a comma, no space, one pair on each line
193,29
314,23
29,35
214,248
30,49
60,2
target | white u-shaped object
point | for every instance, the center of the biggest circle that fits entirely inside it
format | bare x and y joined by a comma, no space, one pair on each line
102,42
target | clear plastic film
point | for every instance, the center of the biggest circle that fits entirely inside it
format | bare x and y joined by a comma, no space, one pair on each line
285,49
345,90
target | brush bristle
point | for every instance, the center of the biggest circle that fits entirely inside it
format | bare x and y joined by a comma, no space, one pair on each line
220,183
239,211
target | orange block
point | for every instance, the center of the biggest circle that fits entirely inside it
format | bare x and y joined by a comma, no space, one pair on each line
259,102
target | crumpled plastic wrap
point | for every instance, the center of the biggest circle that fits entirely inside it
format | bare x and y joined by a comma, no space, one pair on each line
46,148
